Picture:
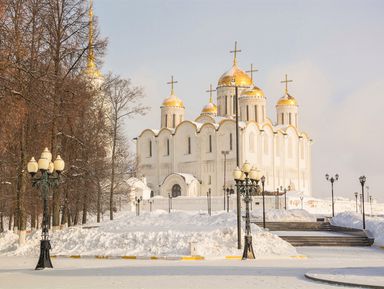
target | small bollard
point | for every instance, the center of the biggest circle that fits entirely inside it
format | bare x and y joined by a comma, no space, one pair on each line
193,248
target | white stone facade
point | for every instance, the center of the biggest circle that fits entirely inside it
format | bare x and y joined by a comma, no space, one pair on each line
188,160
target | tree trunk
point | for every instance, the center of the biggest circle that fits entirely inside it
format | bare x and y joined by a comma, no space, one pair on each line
113,168
10,220
98,200
1,222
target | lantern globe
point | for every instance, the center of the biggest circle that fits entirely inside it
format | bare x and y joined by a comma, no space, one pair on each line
46,154
32,166
59,164
43,164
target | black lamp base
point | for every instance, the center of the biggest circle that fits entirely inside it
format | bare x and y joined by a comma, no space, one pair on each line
45,258
248,249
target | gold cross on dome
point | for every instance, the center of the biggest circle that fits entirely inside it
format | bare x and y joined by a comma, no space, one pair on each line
286,83
252,71
210,90
172,82
235,53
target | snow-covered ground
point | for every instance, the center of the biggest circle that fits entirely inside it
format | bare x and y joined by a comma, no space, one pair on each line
374,225
18,273
273,215
154,234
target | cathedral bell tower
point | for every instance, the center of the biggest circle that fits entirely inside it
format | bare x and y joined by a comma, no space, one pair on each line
172,109
252,103
287,108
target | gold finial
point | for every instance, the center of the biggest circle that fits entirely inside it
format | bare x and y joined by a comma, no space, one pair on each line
91,55
286,83
210,90
252,71
172,82
235,53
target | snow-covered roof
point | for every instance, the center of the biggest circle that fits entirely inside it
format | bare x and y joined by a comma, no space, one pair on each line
187,177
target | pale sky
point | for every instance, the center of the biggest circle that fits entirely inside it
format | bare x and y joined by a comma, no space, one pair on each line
333,50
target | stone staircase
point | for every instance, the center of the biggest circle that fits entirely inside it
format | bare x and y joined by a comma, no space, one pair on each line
318,234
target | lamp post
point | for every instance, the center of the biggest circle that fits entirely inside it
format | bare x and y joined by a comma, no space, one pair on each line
246,181
302,203
209,201
370,202
138,201
49,177
225,153
332,180
356,194
150,205
169,203
362,180
263,183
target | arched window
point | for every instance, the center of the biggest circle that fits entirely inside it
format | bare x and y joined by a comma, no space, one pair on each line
256,114
210,144
173,120
150,148
252,142
189,145
290,118
167,147
282,118
166,120
226,104
247,112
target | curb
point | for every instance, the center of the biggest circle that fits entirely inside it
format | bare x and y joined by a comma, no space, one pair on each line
175,258
168,258
334,282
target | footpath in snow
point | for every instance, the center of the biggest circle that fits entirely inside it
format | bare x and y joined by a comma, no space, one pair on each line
154,234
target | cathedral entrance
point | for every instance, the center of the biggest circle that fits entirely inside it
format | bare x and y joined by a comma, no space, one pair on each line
176,191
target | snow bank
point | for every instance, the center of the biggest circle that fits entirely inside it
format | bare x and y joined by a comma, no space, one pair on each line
374,225
153,234
294,215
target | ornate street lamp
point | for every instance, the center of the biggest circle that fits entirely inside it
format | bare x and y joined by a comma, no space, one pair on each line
246,182
49,177
356,194
362,180
332,180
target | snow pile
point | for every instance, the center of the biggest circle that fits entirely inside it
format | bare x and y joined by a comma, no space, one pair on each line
152,234
374,225
273,215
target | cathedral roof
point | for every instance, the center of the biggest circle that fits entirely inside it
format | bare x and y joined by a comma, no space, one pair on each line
235,73
254,91
173,101
287,99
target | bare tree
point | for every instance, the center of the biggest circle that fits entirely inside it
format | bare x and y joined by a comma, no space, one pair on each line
123,102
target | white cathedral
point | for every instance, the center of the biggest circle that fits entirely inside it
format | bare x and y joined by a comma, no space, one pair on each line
189,157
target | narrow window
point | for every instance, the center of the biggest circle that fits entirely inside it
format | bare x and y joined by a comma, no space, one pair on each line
150,148
256,114
189,145
166,120
290,118
167,146
230,141
210,143
247,112
173,120
282,118
209,180
234,105
226,104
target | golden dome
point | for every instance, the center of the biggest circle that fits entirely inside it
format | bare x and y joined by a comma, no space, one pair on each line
173,101
287,99
254,91
210,108
241,78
